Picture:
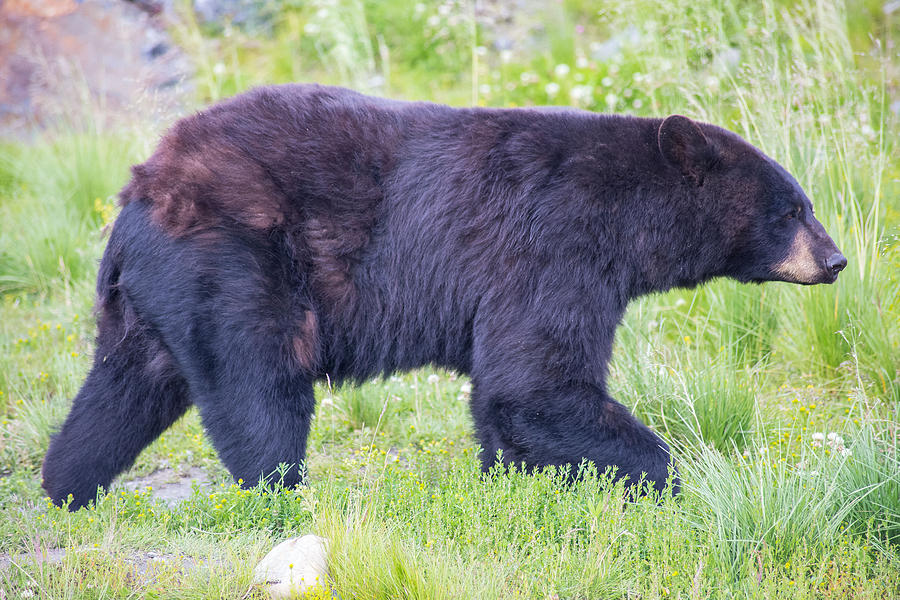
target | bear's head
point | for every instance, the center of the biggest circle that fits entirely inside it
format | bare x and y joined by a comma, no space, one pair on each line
759,217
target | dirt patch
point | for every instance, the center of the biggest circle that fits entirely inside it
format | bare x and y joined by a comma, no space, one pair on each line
170,486
46,555
167,485
144,567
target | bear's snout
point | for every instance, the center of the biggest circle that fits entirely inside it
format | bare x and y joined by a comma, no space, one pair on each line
811,258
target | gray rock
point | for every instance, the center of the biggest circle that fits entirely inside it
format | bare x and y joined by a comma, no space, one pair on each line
56,56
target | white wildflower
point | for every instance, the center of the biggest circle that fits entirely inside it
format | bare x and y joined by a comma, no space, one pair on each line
580,92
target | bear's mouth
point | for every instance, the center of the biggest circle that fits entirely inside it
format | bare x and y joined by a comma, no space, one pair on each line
822,276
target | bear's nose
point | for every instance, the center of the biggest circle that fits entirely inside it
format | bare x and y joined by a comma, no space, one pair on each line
836,263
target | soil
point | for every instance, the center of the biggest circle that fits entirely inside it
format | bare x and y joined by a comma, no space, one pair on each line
169,485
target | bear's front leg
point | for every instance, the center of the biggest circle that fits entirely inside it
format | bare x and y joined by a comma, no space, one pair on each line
565,425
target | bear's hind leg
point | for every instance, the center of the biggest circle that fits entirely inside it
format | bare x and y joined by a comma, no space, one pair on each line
249,345
257,400
132,394
233,309
256,423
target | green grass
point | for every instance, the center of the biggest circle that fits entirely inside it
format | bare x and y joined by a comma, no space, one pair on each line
746,382
57,194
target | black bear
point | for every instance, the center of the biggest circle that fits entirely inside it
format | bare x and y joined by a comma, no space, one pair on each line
300,231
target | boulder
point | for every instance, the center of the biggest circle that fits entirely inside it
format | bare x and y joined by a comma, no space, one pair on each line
294,566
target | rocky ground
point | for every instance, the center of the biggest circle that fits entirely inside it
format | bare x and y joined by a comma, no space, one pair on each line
168,485
57,56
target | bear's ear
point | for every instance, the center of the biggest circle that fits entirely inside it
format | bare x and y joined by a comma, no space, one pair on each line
683,145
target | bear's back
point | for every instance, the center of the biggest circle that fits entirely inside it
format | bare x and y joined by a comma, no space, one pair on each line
274,156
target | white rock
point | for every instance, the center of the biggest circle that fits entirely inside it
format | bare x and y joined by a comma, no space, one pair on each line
294,566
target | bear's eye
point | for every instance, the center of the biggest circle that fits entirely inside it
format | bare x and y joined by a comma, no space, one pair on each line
794,213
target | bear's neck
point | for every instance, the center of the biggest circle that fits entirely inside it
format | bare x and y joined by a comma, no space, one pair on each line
609,199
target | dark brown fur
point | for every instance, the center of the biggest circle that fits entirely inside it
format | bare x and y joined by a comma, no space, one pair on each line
193,189
306,342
